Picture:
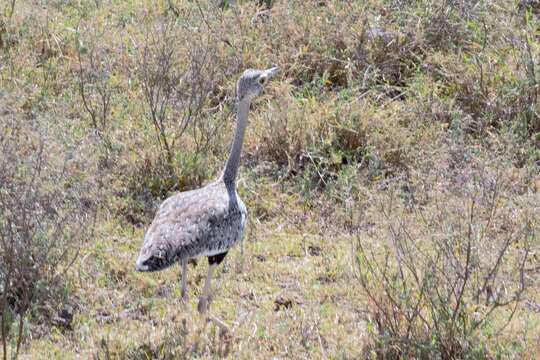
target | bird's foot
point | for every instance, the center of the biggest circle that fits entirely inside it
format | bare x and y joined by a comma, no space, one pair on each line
185,297
203,305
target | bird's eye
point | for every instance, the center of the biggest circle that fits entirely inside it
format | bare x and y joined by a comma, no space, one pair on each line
262,80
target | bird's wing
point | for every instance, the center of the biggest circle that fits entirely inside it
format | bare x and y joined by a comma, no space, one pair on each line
184,221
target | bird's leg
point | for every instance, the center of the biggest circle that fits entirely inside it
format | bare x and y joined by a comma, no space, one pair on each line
184,280
205,297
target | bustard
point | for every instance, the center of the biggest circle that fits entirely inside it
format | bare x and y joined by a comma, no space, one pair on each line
207,221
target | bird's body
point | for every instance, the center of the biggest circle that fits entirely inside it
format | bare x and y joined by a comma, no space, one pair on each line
207,221
203,222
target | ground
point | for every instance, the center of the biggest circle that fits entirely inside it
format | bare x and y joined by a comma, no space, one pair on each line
391,174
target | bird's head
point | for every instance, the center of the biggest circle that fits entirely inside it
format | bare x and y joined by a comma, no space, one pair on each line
252,82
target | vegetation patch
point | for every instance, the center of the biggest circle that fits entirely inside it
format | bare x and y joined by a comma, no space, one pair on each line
391,174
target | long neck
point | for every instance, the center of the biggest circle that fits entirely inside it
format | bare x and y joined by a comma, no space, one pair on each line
231,167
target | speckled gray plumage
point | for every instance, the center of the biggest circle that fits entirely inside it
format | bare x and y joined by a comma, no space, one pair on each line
202,222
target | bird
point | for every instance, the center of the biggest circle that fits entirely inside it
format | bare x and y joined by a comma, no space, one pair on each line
210,220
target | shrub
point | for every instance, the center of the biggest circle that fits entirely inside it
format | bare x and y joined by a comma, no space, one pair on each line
44,215
176,85
445,271
96,87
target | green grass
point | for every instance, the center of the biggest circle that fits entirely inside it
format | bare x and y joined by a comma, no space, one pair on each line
378,103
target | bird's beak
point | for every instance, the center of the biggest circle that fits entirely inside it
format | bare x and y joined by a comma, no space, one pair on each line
272,72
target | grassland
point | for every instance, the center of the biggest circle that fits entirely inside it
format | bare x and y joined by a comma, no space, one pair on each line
391,174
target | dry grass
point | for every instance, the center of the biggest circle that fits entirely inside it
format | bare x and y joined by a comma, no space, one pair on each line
429,104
